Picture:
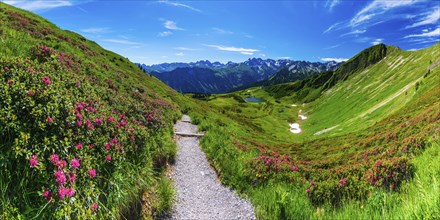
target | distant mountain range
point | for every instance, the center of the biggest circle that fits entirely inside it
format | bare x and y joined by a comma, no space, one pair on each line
216,77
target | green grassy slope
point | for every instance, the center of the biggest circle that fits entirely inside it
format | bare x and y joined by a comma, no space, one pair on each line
64,96
373,93
387,114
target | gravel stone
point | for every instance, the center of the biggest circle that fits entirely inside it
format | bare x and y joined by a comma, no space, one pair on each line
200,195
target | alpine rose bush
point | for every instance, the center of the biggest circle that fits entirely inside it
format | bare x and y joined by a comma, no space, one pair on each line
63,134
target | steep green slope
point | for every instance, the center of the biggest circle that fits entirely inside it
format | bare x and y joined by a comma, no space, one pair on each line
83,131
309,89
372,93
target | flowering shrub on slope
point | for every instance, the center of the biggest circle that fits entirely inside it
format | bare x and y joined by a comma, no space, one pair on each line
63,134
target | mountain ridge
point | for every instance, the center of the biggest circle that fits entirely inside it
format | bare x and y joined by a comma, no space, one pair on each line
206,77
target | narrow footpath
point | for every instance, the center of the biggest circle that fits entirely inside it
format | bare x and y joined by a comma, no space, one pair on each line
200,195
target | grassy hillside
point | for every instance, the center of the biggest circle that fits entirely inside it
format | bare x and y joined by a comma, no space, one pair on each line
83,131
361,149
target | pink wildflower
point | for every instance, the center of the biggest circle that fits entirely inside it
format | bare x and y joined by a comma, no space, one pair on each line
72,177
132,138
92,172
33,161
46,80
79,123
95,206
60,177
79,146
70,192
62,191
10,82
61,164
54,158
47,194
108,157
74,163
49,120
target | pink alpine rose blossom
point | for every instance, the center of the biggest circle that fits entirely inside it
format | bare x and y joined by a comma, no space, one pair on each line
92,173
74,163
33,161
79,146
72,177
95,206
60,177
54,158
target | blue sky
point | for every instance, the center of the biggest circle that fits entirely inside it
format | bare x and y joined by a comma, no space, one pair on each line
153,32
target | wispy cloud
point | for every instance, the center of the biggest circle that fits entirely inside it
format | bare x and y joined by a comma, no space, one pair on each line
176,4
39,4
328,59
378,7
82,9
332,27
355,32
283,58
377,41
165,33
179,54
221,31
171,25
118,41
96,30
185,49
333,46
244,51
434,33
430,18
330,4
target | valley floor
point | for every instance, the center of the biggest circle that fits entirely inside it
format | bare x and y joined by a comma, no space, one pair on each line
200,195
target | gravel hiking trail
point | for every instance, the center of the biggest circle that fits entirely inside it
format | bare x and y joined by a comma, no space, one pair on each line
200,195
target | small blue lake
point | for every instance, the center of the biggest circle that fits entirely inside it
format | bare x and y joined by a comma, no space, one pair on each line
253,99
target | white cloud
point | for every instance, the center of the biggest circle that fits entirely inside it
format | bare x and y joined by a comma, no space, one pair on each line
431,18
333,46
434,33
355,32
179,54
241,50
171,25
185,48
332,27
328,59
176,4
377,41
96,30
221,31
165,33
283,58
330,4
378,7
39,4
117,41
